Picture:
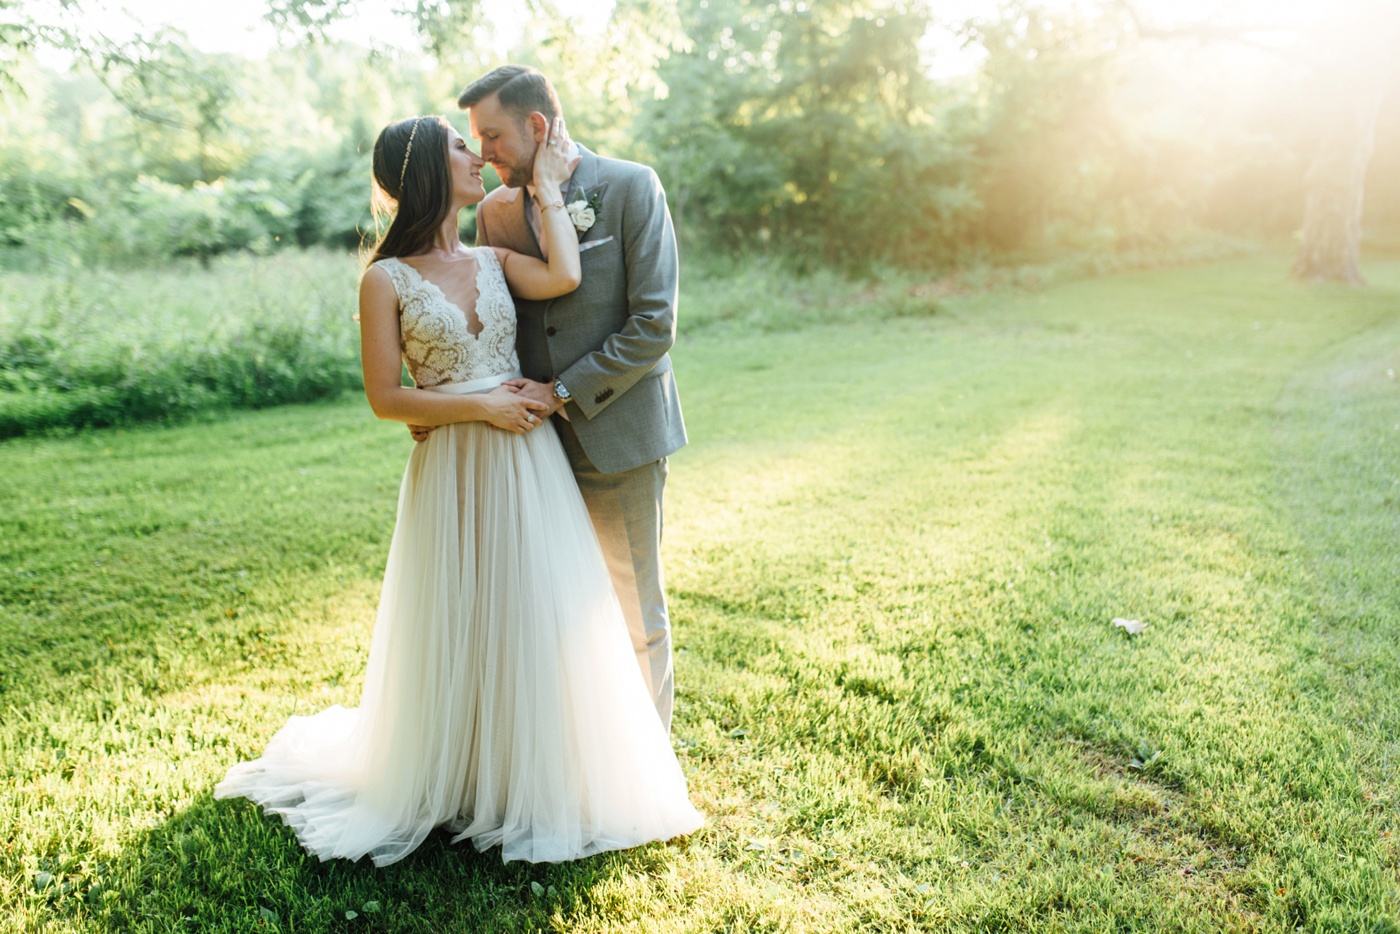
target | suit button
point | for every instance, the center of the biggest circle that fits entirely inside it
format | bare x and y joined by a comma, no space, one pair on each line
550,332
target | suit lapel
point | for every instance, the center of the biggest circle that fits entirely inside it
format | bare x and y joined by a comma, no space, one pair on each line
585,177
582,183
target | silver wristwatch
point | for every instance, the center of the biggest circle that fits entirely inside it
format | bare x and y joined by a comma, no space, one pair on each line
561,393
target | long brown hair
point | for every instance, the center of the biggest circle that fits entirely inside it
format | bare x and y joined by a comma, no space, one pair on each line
413,184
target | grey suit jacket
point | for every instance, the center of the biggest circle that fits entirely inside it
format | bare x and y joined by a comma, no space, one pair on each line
608,340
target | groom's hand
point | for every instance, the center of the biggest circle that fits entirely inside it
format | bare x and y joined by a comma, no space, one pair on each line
529,389
539,392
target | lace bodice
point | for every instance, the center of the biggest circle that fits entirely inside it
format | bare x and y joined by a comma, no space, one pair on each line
433,334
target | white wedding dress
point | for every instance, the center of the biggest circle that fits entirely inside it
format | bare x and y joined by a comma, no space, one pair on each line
502,697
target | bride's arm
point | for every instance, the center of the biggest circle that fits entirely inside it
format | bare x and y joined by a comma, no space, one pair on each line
379,359
527,276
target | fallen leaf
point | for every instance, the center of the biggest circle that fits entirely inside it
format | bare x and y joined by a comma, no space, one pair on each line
1131,626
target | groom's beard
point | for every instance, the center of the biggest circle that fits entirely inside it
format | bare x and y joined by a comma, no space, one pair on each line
516,174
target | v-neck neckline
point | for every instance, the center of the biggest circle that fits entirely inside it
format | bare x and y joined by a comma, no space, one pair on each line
467,318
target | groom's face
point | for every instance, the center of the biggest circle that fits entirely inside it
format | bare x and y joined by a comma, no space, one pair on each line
507,141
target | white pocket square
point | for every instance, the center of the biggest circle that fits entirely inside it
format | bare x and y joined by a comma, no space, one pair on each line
592,243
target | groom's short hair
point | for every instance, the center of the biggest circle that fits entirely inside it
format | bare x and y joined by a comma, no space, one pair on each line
522,90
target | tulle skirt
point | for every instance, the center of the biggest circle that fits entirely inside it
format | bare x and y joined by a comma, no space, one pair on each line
502,697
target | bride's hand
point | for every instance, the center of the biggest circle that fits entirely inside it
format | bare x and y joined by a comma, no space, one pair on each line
507,409
552,164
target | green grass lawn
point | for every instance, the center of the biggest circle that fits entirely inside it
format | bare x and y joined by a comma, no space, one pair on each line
894,548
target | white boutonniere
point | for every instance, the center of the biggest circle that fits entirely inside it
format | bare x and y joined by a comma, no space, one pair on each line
584,212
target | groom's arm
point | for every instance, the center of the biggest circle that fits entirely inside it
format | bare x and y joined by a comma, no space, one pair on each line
653,268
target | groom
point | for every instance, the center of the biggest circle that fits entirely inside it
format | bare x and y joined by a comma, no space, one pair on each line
598,356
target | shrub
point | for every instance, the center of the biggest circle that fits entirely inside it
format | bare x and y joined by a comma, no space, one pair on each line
90,347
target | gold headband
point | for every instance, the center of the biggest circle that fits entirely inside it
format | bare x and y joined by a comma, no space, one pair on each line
408,151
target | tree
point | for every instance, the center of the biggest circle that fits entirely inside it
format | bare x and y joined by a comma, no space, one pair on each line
1356,70
182,98
1352,64
813,126
1048,143
443,24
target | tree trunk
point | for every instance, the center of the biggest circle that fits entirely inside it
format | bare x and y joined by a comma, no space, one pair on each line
1354,72
1334,193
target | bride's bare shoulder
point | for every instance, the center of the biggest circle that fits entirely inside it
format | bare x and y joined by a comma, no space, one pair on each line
376,282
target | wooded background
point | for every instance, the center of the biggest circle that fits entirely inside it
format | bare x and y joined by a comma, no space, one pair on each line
813,132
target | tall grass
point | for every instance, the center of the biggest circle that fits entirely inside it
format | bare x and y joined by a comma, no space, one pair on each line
84,347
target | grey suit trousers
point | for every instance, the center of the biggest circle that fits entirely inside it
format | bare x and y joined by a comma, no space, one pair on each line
626,512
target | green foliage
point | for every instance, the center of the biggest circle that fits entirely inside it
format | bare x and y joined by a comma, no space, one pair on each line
807,128
307,18
174,153
156,220
330,197
806,132
1047,139
83,349
29,204
444,25
605,80
185,102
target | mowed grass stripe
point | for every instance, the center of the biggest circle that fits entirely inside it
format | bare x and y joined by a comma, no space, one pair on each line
1167,517
895,549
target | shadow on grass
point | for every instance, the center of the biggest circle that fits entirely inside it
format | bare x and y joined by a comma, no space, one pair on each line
224,866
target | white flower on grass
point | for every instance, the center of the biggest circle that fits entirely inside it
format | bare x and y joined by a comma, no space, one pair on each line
1131,626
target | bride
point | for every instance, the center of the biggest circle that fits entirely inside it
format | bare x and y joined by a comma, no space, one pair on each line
502,698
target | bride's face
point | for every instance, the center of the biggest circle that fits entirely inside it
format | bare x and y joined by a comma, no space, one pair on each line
465,167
